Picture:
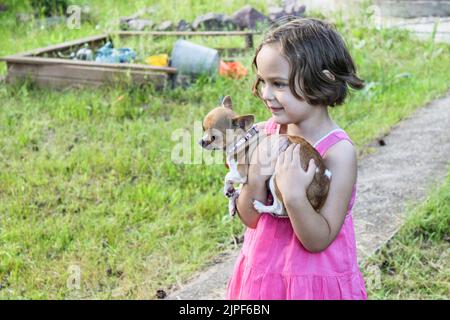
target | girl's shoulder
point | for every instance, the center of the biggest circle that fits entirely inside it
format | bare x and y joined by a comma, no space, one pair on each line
337,150
336,138
341,150
341,157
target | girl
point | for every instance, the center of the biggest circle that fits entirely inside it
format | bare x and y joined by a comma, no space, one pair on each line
303,67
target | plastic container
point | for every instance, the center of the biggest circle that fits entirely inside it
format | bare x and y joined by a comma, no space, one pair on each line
109,54
193,59
159,60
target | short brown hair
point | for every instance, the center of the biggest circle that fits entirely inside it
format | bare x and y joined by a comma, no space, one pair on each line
311,46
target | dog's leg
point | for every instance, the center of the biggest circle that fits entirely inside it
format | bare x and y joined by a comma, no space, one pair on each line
228,188
277,208
232,209
273,209
231,179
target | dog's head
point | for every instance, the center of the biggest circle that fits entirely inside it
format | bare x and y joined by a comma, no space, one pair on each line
223,127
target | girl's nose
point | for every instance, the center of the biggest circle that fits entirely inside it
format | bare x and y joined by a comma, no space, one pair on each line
267,93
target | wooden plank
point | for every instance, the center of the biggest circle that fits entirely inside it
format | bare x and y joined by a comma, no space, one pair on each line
231,51
56,82
81,72
77,72
247,34
60,46
185,33
82,75
57,61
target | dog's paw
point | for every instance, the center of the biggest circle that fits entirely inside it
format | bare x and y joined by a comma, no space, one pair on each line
229,191
232,208
259,206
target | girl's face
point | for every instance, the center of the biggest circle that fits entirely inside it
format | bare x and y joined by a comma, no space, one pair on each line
273,72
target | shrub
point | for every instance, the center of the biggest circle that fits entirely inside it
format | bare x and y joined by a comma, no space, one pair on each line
50,7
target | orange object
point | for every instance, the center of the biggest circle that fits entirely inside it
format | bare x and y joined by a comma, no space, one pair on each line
232,69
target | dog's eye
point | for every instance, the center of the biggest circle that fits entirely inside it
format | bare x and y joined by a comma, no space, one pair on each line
213,138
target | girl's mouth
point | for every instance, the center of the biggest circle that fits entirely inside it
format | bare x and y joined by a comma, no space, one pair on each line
274,110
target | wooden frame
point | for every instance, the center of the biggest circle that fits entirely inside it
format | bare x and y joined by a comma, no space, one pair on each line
60,73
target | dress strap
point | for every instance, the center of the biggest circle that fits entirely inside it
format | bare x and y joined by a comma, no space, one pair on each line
330,139
271,126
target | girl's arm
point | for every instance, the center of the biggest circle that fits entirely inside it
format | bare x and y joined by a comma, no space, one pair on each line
254,189
317,231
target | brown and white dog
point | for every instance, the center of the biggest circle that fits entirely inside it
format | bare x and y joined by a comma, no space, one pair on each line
239,138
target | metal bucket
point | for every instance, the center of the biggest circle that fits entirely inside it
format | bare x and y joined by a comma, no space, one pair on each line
193,59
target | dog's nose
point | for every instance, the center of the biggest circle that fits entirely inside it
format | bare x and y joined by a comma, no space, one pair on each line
201,142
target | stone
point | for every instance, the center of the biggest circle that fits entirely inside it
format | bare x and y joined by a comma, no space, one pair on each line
183,26
295,9
228,24
276,13
140,24
124,21
247,17
165,26
139,14
213,21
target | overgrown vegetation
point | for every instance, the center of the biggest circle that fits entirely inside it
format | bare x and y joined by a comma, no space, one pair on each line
415,263
50,7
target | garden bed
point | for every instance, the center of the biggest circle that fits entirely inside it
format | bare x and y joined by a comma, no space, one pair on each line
44,67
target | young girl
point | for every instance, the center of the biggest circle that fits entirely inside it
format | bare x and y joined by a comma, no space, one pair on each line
303,67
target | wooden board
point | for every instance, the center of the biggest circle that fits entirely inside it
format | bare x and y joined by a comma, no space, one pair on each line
247,34
56,61
64,45
59,76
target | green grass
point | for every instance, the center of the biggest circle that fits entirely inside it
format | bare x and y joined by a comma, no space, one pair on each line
414,264
86,176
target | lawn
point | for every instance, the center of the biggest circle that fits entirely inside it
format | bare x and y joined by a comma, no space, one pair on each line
415,263
91,203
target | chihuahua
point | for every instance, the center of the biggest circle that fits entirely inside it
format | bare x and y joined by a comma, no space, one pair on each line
239,138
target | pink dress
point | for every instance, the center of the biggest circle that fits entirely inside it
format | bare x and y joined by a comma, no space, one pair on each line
273,264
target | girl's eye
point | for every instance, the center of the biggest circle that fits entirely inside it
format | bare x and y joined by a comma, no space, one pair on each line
279,85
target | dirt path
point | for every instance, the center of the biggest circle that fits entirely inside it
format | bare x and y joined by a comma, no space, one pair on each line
415,158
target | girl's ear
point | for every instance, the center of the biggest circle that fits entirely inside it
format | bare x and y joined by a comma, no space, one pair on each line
226,102
243,122
329,75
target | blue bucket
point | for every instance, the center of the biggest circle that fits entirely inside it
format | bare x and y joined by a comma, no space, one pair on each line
193,59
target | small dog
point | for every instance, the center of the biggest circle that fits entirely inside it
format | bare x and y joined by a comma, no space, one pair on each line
239,138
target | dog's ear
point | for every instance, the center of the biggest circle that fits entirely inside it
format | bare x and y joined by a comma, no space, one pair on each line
243,122
226,102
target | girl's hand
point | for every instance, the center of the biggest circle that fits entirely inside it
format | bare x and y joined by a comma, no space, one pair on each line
263,161
291,179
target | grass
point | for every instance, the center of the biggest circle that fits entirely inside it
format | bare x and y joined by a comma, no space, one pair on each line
86,177
414,264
